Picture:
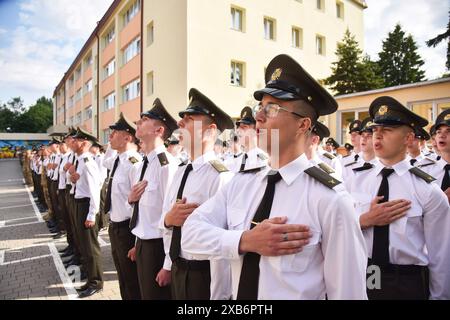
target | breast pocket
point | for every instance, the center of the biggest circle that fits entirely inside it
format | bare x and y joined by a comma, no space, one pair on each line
236,218
361,202
410,222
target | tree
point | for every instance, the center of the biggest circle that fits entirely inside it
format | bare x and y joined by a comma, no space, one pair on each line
441,37
351,72
399,61
7,118
37,119
16,105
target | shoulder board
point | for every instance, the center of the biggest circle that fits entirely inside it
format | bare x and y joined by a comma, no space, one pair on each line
133,160
219,166
346,156
163,161
86,159
329,155
326,168
351,163
431,160
421,174
363,168
183,163
426,165
322,177
254,170
262,156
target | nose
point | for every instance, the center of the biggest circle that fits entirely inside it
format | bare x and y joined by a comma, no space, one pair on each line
181,123
260,116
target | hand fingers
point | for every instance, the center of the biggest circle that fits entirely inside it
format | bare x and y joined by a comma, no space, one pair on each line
277,220
291,236
188,206
182,201
396,202
403,206
377,199
397,216
281,228
296,244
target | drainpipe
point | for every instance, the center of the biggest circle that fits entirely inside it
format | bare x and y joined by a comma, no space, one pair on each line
98,86
142,58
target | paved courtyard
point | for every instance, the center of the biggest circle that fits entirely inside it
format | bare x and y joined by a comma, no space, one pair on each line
30,266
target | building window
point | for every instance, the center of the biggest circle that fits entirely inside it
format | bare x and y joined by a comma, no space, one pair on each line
237,19
132,12
88,61
78,95
71,102
339,9
320,45
110,68
150,84
269,28
78,74
320,5
150,33
88,113
297,37
237,74
110,102
133,49
110,36
106,134
71,121
132,90
88,86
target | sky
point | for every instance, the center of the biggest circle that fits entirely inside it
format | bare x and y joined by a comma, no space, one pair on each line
39,39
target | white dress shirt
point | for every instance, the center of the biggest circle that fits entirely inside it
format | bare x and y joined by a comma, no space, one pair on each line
256,158
122,182
158,179
202,183
99,158
335,162
333,263
316,160
422,237
54,176
88,186
61,172
436,170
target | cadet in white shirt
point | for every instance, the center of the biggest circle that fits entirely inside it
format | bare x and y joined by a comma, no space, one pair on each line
150,183
414,149
440,169
195,182
87,204
405,218
121,179
307,244
317,134
330,157
252,157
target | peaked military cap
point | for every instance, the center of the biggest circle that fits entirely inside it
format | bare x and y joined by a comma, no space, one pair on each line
422,134
321,130
355,126
246,117
433,130
201,104
387,111
332,142
54,141
123,124
287,80
71,133
366,125
348,146
443,119
84,135
173,140
159,112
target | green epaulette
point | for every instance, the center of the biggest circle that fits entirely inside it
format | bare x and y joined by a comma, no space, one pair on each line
219,166
364,168
322,177
262,156
86,160
326,168
350,164
253,170
329,155
426,165
163,161
422,174
133,160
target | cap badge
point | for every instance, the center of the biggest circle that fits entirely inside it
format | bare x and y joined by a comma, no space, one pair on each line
276,74
355,125
383,110
447,117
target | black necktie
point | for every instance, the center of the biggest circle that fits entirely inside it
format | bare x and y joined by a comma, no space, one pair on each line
75,184
413,161
356,157
175,243
134,217
380,249
108,193
249,280
446,181
244,161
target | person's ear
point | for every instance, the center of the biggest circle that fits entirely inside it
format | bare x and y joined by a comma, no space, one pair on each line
305,125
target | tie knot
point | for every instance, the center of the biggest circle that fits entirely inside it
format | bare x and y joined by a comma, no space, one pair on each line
387,172
356,157
447,167
189,167
145,159
273,177
412,161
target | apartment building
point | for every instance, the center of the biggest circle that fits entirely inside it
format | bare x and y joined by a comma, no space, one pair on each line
144,49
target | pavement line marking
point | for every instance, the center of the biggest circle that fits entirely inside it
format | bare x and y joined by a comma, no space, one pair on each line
18,219
2,257
36,210
13,207
11,180
67,282
2,224
25,260
20,224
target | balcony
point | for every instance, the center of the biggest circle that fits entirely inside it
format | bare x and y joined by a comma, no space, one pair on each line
130,71
131,31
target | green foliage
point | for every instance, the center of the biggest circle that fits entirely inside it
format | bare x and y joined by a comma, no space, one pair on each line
442,37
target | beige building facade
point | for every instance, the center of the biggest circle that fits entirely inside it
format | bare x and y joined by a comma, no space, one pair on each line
146,49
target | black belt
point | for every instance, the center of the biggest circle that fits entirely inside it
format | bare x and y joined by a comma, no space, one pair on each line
201,265
401,269
122,224
83,200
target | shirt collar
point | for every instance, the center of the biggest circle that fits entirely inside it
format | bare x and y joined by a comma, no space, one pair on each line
293,169
155,152
204,158
400,168
441,163
85,155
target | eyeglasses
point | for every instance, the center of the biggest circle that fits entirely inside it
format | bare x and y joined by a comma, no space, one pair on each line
271,110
